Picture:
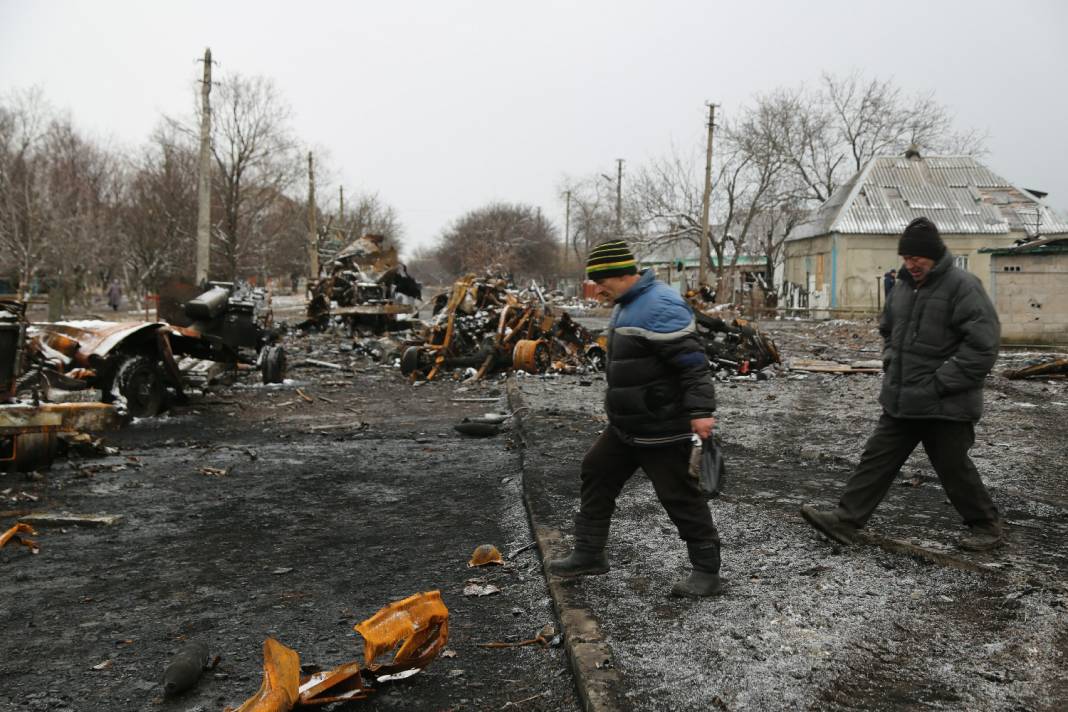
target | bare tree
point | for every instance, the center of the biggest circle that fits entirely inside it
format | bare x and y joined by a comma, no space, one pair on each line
501,238
593,217
369,215
426,266
83,183
24,117
57,190
157,215
667,195
256,159
827,134
875,117
747,180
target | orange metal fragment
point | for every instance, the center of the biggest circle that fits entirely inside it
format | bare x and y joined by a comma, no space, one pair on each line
485,554
416,627
13,533
341,684
281,680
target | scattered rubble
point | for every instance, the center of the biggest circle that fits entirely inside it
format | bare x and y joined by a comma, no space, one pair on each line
1048,368
281,679
66,519
14,534
30,430
735,347
484,555
483,326
547,636
822,366
413,630
185,668
363,290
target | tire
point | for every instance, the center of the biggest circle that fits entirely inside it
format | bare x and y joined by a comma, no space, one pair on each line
273,364
139,381
411,360
33,451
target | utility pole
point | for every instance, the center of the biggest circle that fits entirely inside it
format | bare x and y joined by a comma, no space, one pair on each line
567,223
204,177
702,275
313,231
341,212
619,198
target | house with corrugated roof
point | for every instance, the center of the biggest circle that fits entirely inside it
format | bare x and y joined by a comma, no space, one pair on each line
841,252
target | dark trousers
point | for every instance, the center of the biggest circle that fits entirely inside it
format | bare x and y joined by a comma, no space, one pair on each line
946,442
610,462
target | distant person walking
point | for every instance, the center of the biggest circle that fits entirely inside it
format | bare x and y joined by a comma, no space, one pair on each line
888,282
114,295
659,393
940,340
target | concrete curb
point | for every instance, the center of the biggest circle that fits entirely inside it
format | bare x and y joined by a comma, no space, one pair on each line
596,677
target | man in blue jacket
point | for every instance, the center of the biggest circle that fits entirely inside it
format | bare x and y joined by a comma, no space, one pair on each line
659,394
940,339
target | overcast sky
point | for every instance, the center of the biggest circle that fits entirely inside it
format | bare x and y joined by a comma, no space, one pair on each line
441,106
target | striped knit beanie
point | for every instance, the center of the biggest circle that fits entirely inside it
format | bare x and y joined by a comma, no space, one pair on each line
610,259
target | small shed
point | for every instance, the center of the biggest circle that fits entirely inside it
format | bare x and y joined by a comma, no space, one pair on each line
1029,287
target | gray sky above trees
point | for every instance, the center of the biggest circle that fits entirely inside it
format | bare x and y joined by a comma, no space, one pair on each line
441,107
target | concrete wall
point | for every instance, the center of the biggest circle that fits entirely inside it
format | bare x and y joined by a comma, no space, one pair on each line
846,270
1030,293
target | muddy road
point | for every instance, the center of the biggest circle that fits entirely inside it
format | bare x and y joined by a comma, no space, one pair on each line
317,515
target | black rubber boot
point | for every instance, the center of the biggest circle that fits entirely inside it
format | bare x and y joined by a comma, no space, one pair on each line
983,537
828,524
704,579
588,557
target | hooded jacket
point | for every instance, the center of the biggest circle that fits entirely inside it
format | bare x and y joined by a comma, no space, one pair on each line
940,340
657,370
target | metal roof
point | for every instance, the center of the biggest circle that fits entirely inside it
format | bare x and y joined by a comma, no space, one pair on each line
1052,244
959,194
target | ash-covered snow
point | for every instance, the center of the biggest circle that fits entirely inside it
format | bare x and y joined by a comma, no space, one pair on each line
803,624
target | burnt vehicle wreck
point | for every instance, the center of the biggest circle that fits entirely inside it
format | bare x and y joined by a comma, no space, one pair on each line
362,289
483,325
736,346
137,364
30,426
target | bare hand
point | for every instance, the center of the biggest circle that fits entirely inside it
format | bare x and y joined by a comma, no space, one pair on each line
703,427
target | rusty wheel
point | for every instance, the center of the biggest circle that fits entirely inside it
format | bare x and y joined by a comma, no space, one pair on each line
531,355
31,451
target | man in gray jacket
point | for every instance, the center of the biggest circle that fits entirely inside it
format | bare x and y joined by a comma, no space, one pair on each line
940,340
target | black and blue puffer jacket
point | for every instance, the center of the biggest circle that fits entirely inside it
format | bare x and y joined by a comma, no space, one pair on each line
657,370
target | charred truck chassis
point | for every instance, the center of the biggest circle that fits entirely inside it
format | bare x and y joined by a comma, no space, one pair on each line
28,430
137,361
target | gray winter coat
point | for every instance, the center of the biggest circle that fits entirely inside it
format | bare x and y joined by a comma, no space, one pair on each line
939,343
